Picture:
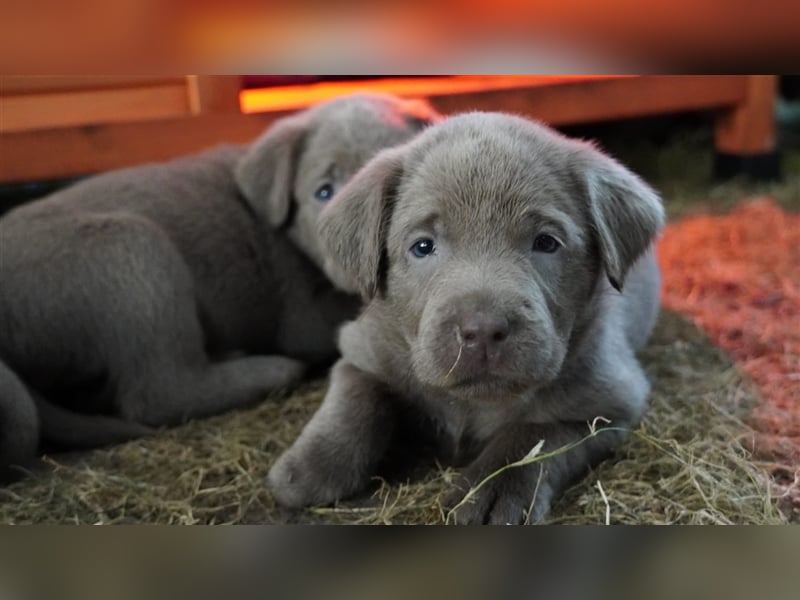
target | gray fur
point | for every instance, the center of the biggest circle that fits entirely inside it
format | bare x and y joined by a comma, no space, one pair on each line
498,344
151,295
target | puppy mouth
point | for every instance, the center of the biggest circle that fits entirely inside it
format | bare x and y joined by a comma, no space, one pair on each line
487,383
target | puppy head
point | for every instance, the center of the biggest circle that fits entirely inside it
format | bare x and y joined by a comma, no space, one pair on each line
297,166
488,237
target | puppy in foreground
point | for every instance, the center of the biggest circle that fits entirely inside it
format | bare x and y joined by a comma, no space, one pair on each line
149,296
510,279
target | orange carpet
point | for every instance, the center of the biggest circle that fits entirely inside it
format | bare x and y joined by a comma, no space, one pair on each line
738,277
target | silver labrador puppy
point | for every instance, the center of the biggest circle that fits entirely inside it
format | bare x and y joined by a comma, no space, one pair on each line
510,280
152,295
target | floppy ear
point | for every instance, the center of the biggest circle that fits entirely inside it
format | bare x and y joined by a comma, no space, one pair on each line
626,213
419,114
265,174
352,226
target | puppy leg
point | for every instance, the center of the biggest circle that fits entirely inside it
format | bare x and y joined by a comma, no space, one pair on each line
178,391
524,494
111,298
157,347
63,428
19,424
340,446
163,374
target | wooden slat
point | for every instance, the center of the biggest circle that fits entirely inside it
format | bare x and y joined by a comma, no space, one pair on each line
214,93
53,153
28,84
749,127
558,99
292,97
605,99
61,109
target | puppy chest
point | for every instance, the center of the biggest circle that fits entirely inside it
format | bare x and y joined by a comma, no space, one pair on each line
465,427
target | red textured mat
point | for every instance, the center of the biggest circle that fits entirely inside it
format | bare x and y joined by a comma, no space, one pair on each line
738,277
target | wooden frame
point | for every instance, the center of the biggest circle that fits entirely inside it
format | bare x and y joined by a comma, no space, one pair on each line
748,127
163,118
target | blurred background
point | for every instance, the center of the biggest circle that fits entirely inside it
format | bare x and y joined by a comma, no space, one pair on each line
397,37
338,564
56,128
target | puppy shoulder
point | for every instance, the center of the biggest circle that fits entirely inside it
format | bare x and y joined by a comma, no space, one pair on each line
373,344
603,379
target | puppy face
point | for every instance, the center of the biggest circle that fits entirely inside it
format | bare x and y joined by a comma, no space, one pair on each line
487,238
303,161
489,263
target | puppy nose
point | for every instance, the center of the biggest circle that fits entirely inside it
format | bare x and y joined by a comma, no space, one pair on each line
483,329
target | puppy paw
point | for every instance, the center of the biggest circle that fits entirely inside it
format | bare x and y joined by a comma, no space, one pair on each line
297,483
511,498
283,372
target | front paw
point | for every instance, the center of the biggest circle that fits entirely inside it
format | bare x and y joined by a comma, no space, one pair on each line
309,475
516,496
295,483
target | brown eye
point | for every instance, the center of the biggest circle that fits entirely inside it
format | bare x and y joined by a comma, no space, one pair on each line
545,243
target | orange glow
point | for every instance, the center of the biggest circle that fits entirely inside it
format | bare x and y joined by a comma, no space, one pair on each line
292,97
80,36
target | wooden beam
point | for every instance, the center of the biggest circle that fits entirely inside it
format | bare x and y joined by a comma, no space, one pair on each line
604,99
107,105
214,93
53,153
31,84
294,97
749,127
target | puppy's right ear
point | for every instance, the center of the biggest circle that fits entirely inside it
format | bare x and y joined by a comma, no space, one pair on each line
626,213
352,227
266,173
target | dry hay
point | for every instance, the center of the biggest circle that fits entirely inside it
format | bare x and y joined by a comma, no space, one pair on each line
686,464
738,277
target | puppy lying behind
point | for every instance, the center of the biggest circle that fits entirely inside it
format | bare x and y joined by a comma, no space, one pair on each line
152,295
510,281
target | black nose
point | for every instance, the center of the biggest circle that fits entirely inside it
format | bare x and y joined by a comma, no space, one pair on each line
481,330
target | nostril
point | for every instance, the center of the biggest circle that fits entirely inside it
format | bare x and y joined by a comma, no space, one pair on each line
469,336
499,336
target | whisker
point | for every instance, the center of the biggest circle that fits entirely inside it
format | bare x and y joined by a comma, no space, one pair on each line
458,356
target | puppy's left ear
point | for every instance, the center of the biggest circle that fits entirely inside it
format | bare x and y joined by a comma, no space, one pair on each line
352,227
626,213
266,173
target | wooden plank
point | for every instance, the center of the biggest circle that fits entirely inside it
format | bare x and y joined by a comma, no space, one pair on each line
28,84
556,99
597,100
214,93
293,97
53,153
749,127
61,109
